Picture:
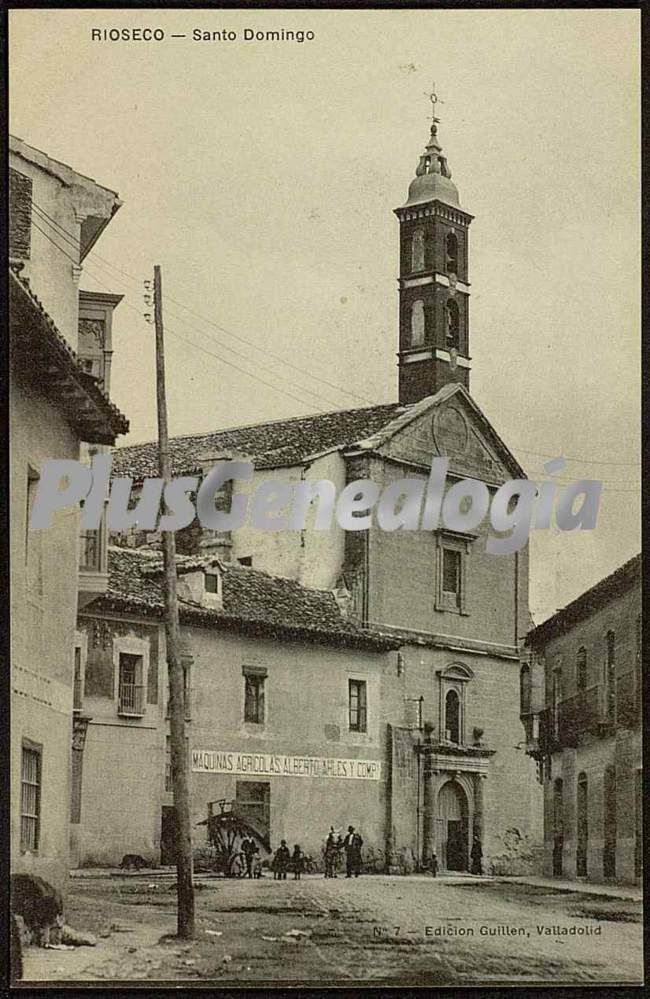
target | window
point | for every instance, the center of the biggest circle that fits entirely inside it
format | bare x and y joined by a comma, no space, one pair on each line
254,679
77,698
417,250
453,323
451,245
610,677
358,706
30,797
417,323
581,670
131,687
246,560
451,573
452,716
211,582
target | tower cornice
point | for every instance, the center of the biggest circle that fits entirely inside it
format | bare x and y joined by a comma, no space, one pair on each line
436,208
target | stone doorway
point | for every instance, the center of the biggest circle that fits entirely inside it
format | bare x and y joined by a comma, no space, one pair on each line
453,821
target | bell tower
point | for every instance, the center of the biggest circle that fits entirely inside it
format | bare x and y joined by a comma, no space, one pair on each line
433,278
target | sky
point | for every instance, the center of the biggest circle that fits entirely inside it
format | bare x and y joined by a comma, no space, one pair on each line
262,177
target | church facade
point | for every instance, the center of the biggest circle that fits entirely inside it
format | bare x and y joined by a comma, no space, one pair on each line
452,771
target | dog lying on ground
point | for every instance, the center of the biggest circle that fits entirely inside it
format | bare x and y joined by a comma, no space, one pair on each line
133,861
40,907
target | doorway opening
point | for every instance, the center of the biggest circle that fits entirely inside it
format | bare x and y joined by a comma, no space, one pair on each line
609,823
583,826
454,827
558,827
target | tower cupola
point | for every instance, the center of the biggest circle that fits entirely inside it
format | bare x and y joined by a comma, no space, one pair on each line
432,180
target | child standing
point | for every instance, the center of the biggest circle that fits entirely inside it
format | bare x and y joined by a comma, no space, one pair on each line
297,862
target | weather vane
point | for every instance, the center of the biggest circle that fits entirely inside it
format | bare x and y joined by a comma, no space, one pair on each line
433,97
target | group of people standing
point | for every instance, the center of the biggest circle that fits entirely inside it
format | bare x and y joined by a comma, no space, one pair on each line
333,851
335,847
284,860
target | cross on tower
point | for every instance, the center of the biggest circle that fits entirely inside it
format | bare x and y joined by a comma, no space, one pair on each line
433,97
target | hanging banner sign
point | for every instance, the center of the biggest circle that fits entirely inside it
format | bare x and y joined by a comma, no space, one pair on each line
268,765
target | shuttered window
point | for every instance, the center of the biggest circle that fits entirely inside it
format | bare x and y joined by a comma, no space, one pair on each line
358,706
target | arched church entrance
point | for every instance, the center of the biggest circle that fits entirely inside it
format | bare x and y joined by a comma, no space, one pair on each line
454,827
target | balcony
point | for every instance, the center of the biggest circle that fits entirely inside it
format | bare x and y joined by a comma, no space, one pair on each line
584,712
93,571
131,702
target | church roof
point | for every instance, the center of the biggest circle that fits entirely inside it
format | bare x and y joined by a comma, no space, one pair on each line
286,443
274,444
254,602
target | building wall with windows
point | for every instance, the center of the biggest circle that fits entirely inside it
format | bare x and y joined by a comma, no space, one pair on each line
53,409
582,711
43,603
317,702
289,725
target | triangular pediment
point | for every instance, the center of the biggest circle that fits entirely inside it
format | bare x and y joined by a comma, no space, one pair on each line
448,424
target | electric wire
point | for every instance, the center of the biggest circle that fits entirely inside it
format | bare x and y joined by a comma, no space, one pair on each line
64,234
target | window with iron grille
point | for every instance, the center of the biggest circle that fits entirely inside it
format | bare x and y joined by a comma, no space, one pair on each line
131,687
358,705
30,797
254,698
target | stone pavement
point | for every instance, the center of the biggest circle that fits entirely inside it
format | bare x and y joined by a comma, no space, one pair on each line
372,930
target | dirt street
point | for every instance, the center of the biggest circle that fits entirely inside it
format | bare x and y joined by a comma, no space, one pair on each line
374,930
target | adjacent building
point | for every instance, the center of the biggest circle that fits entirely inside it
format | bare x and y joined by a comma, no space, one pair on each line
581,704
56,407
283,706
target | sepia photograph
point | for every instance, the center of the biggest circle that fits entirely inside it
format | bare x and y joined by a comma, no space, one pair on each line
325,498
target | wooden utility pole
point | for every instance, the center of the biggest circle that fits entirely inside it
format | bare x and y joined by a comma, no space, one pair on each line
179,754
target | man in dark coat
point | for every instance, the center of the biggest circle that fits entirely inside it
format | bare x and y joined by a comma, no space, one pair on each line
352,845
281,861
249,849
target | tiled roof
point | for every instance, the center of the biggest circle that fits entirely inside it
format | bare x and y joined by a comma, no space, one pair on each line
253,601
276,444
284,443
36,339
612,586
